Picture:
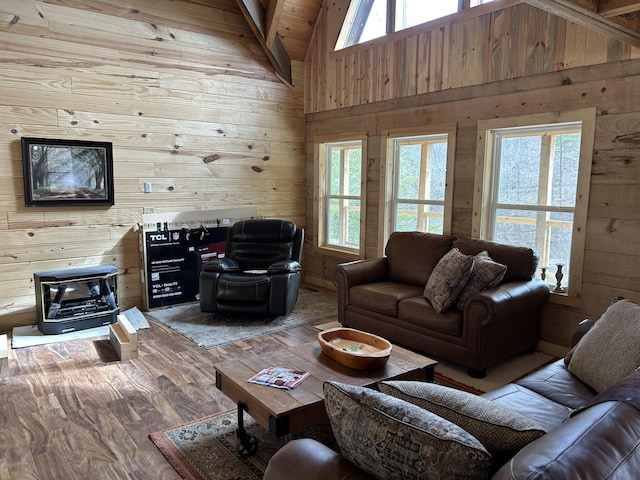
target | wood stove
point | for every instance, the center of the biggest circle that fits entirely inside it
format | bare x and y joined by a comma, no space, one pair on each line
76,298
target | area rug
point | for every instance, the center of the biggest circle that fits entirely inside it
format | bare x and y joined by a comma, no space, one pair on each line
207,449
213,329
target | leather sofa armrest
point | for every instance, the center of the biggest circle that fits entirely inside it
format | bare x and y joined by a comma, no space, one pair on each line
222,264
347,275
284,266
311,460
583,327
502,303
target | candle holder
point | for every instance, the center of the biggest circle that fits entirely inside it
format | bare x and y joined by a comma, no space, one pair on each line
543,273
559,276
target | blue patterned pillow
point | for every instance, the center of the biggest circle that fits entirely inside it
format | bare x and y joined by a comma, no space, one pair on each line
502,431
392,439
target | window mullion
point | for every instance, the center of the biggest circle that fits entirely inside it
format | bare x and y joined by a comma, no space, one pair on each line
543,233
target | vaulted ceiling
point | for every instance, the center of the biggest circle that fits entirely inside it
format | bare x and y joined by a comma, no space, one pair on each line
284,27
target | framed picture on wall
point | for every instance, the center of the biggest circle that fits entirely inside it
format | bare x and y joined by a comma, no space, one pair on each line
67,172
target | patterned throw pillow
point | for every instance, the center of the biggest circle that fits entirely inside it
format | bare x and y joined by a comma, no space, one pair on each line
448,279
609,350
392,439
502,431
485,274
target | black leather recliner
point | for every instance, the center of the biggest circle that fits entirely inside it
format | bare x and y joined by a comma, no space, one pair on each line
260,272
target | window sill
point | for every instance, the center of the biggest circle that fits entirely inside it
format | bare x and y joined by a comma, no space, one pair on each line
342,253
564,299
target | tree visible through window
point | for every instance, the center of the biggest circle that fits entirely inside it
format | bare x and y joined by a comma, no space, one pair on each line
420,181
343,194
532,186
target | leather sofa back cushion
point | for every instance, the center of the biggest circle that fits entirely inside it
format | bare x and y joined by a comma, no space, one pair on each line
521,262
412,256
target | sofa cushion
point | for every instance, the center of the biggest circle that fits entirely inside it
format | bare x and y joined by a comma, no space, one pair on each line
412,256
447,279
419,312
609,350
486,273
542,410
521,262
557,383
382,297
393,439
502,431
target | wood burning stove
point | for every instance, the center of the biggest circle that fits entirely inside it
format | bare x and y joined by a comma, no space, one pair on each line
76,298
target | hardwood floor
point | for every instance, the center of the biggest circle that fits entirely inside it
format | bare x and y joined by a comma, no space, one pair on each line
72,410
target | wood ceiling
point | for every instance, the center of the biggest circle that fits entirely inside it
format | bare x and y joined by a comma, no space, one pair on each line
284,27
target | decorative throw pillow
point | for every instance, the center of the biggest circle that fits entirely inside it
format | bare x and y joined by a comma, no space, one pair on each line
485,274
447,279
392,439
502,431
609,350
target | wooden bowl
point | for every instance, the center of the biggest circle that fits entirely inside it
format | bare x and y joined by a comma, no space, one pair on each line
355,349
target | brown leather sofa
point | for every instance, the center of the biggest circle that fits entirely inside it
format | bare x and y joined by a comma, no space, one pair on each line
590,436
385,296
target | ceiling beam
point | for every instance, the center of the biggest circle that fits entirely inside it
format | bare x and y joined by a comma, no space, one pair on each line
256,17
612,8
580,11
274,13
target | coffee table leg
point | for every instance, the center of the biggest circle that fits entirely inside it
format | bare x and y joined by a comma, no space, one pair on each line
248,443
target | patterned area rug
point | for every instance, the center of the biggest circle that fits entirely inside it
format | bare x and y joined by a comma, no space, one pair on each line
212,329
207,449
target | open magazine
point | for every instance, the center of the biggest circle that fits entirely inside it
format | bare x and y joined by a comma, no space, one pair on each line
279,377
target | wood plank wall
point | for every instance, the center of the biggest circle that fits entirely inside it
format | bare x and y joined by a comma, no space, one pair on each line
170,83
513,62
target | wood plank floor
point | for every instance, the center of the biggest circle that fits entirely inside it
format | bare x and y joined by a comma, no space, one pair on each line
73,411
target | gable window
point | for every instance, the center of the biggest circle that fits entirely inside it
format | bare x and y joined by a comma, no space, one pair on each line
341,193
532,182
370,19
418,168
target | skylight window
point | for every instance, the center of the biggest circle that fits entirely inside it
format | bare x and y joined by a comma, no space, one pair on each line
370,19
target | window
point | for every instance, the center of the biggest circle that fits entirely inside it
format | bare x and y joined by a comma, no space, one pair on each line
370,19
341,194
418,168
532,189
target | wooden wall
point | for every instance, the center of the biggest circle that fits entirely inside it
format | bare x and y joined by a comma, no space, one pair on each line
507,63
170,84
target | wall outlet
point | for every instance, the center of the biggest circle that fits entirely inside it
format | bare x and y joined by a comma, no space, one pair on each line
148,210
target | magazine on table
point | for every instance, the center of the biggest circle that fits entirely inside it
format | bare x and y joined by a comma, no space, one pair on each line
279,377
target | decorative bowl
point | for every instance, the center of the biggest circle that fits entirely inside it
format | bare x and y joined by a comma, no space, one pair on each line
355,349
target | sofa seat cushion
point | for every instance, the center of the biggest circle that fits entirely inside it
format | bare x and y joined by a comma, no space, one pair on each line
391,439
419,312
609,350
600,442
502,431
545,412
555,382
382,297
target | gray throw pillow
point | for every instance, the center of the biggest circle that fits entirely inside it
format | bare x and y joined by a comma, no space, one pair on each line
392,439
502,431
447,279
610,349
485,274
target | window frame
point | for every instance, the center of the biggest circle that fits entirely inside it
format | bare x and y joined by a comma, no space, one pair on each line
353,17
389,174
484,178
320,211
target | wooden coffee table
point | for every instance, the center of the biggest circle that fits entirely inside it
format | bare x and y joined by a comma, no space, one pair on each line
287,411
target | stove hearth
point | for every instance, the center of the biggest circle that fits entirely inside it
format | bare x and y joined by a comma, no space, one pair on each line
76,298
